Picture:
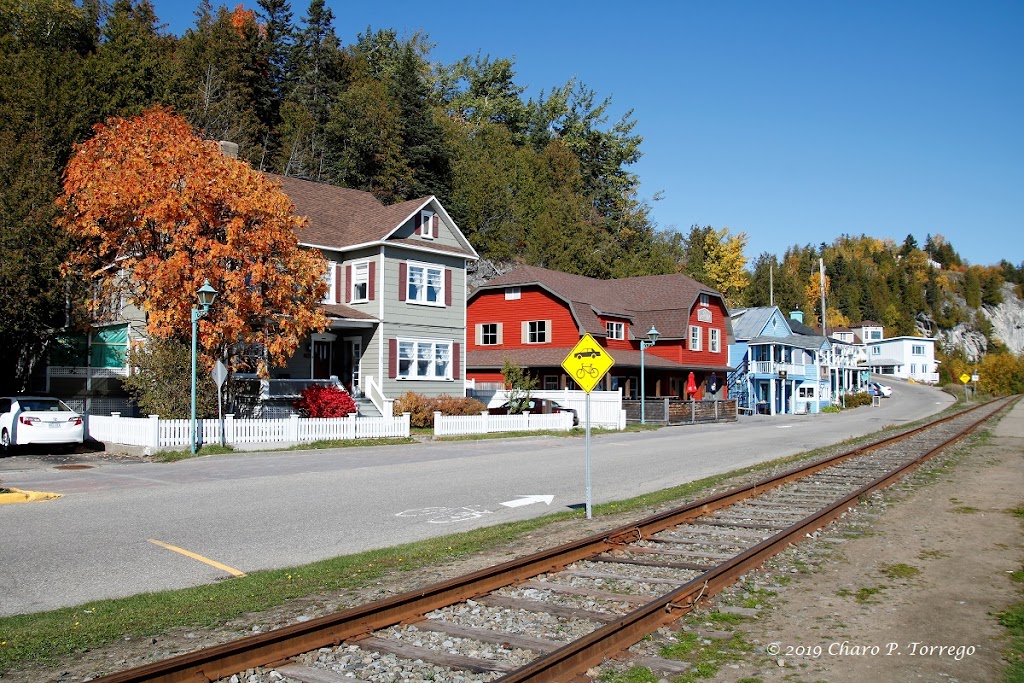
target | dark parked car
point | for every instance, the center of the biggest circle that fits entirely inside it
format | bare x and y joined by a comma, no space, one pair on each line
542,406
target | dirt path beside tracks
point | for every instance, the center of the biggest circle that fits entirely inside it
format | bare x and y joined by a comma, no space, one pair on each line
907,587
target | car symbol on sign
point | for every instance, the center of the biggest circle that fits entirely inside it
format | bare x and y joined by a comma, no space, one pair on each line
588,353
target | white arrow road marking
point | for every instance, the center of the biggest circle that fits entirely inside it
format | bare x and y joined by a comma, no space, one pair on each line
527,500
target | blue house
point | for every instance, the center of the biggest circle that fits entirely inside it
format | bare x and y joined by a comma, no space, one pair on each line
781,366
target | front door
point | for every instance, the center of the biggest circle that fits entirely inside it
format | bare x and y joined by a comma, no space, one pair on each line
321,359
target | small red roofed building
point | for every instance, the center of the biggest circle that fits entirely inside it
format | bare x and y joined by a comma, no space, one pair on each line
533,317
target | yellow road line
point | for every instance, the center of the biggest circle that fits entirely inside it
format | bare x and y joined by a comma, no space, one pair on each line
19,496
186,553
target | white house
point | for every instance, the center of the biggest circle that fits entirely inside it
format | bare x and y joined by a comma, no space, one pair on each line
904,357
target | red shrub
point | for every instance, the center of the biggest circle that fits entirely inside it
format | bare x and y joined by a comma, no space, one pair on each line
324,401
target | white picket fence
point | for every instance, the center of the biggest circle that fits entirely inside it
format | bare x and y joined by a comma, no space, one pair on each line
605,406
459,425
153,432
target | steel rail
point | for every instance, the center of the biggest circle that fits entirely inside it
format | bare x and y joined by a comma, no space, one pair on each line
278,645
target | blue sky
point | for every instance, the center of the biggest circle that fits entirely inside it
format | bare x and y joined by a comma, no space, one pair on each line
793,122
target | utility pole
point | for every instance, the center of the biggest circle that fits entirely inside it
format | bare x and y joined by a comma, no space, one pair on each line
824,330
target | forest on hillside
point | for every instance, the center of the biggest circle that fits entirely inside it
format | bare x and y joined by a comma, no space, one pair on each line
544,180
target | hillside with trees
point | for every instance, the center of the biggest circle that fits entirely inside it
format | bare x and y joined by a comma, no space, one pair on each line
545,180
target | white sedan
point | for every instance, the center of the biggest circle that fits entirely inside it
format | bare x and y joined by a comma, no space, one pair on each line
883,390
38,420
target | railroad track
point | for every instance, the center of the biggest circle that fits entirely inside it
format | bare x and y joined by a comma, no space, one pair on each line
552,615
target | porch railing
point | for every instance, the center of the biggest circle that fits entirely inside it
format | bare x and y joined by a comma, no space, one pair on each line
81,371
768,367
373,392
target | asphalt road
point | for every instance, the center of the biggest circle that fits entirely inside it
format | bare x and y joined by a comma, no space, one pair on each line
271,509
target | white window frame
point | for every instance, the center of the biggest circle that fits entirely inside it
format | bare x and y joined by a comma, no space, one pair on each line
360,278
420,359
696,338
614,330
714,341
330,277
917,349
423,287
537,332
513,293
876,350
484,334
427,231
705,300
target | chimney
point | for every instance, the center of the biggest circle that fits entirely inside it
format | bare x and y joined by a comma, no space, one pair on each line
797,316
229,149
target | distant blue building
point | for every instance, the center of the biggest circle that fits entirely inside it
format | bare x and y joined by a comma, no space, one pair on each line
781,365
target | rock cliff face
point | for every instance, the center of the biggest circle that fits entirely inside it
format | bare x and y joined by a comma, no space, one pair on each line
973,343
1008,320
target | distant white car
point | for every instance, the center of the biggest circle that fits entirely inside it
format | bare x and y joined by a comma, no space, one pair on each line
38,420
883,390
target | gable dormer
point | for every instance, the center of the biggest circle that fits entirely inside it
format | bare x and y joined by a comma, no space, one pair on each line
428,224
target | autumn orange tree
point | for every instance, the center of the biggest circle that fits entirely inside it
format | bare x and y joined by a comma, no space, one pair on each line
155,210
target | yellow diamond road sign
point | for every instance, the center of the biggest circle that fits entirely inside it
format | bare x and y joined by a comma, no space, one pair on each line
587,363
965,378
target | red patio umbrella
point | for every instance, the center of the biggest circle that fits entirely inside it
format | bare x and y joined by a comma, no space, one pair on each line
691,384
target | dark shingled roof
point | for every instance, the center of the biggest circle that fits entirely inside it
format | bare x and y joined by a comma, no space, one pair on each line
343,312
340,217
649,300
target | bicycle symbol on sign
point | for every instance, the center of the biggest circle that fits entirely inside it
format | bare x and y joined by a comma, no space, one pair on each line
586,370
447,515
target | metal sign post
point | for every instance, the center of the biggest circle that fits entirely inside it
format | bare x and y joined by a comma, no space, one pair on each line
220,373
590,509
588,363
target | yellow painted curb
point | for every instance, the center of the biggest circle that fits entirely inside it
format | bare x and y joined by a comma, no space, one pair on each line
19,496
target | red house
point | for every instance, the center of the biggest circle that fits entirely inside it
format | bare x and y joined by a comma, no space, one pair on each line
534,317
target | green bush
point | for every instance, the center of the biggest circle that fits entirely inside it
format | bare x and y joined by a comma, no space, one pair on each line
421,408
857,400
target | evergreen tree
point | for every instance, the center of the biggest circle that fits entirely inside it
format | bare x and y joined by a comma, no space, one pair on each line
130,70
275,54
44,109
221,83
421,138
362,141
316,62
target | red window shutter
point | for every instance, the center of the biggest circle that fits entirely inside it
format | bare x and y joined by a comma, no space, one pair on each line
456,360
419,224
373,281
403,275
348,279
447,287
434,225
339,285
392,358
